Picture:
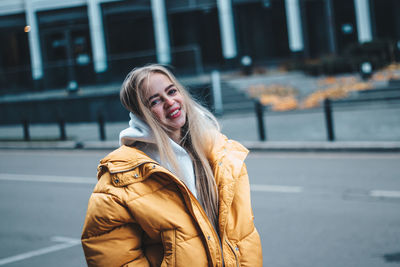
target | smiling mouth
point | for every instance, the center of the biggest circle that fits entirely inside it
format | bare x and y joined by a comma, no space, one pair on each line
174,114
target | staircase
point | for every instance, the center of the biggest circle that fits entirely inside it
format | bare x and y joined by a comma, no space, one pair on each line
390,91
234,100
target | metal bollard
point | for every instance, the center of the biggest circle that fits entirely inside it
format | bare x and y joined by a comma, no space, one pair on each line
216,90
61,125
102,128
25,125
260,120
329,120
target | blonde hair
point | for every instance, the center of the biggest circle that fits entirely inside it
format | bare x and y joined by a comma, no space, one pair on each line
199,132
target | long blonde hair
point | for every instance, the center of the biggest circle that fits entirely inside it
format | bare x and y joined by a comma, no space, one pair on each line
199,132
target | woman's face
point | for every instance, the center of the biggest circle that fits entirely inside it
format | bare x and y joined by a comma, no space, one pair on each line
166,103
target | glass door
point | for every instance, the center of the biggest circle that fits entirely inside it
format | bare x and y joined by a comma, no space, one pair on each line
67,57
55,55
81,56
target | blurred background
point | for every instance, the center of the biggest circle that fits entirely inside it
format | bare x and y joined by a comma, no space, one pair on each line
63,63
311,87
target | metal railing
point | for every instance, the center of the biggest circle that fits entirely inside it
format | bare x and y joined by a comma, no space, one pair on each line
327,107
62,131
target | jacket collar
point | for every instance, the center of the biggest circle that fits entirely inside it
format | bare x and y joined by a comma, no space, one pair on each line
123,159
224,152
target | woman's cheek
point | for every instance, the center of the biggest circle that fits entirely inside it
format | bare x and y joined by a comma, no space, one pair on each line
156,112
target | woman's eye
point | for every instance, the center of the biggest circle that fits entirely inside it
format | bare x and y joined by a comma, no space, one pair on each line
172,91
154,102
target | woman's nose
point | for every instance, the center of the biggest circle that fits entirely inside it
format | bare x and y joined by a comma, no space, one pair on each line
169,101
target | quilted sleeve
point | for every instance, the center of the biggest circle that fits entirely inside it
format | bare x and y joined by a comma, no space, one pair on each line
250,244
111,237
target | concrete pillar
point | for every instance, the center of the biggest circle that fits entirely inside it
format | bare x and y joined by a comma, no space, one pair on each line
34,44
294,25
227,29
97,36
363,19
160,23
330,26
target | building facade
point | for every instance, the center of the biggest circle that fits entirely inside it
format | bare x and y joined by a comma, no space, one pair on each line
49,44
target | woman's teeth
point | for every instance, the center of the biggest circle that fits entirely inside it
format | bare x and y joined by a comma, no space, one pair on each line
174,113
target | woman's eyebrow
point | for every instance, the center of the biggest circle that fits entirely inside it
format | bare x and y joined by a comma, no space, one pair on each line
153,96
169,86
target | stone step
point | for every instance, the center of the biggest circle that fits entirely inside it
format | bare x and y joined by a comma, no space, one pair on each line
238,107
235,100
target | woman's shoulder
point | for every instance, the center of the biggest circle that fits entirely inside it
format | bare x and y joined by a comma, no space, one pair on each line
222,142
224,146
122,167
123,153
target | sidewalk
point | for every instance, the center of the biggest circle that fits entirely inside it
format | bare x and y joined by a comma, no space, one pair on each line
364,128
255,146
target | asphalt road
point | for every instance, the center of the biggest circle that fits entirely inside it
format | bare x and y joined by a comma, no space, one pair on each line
311,209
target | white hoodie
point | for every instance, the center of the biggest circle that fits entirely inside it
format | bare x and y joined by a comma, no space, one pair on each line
141,136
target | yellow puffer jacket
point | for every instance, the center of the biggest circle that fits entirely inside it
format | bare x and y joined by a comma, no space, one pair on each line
140,214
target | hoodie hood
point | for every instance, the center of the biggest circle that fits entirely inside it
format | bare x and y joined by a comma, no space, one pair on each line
140,135
138,131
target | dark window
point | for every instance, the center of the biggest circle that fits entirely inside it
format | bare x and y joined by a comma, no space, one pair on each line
195,36
387,18
15,70
345,24
261,30
129,36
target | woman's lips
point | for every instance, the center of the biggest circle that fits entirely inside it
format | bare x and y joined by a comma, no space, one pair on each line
175,113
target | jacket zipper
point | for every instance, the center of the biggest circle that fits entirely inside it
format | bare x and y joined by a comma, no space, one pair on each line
236,258
207,220
189,193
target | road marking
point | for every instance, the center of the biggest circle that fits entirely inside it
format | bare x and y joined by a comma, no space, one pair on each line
384,193
88,180
47,178
65,243
322,156
276,188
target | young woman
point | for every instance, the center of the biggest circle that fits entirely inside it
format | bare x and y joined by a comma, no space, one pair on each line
176,193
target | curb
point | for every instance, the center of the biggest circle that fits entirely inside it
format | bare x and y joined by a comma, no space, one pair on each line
269,146
38,145
337,146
